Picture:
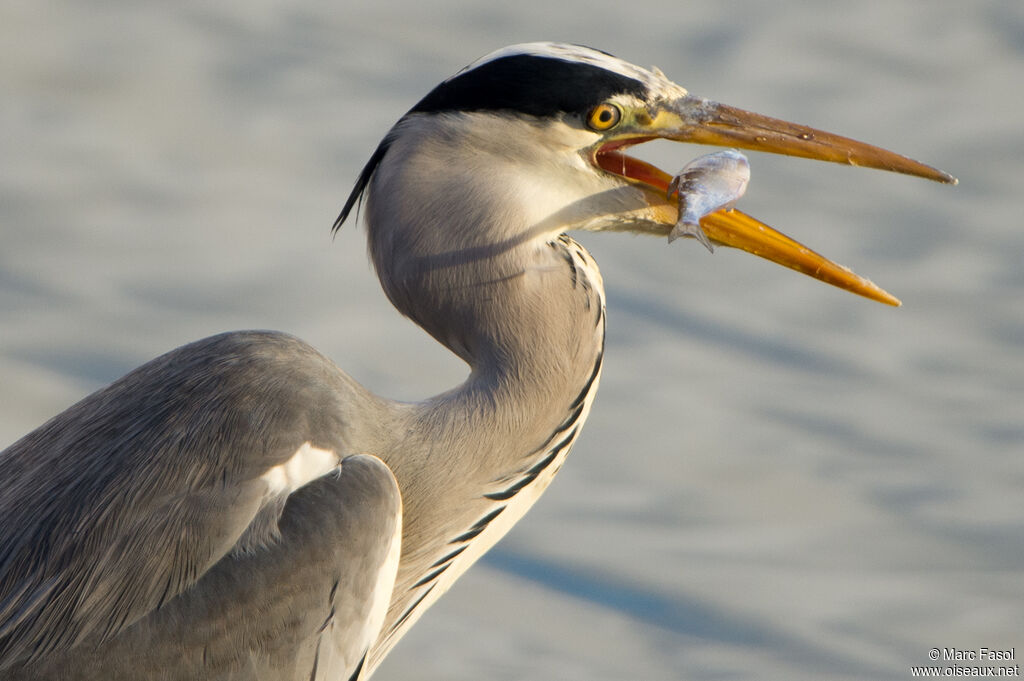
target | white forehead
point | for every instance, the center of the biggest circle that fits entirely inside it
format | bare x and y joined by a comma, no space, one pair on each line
654,79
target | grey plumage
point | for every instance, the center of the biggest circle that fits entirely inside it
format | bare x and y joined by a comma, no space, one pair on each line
240,508
150,488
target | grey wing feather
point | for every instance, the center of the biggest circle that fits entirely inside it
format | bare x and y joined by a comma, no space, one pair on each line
129,498
299,609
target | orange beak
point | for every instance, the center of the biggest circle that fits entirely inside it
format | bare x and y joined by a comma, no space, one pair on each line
696,120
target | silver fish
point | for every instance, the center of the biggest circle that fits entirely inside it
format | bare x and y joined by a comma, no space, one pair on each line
707,184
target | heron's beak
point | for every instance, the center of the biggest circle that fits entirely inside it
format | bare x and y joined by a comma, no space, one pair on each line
696,120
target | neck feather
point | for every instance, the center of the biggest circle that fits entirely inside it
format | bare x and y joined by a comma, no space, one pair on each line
523,305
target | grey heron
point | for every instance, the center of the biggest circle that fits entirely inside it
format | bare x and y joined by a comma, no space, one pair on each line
240,508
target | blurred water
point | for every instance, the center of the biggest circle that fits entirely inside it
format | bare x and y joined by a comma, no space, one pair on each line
778,480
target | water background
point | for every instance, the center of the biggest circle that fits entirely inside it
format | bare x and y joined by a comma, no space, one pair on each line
779,480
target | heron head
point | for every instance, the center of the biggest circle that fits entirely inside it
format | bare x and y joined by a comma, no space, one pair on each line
532,140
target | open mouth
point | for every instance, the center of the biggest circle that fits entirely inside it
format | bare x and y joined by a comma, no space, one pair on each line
736,229
609,157
700,121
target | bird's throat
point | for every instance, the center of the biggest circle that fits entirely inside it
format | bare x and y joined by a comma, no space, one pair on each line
536,361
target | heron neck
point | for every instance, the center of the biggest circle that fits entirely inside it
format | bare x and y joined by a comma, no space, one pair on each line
526,312
533,336
467,245
528,319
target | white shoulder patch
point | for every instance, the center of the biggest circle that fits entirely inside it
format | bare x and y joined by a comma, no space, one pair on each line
304,466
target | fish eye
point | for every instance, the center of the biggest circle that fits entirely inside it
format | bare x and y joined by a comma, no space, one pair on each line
604,117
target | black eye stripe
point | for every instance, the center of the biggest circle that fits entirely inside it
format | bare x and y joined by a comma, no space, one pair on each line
529,84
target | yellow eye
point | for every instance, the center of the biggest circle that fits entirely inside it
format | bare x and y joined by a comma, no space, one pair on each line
604,117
